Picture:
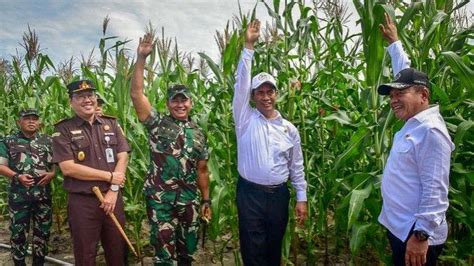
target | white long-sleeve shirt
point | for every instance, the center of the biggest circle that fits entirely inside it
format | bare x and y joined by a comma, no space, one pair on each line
268,150
415,180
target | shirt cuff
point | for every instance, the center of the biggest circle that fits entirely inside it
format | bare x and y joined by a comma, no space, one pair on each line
301,196
424,226
247,52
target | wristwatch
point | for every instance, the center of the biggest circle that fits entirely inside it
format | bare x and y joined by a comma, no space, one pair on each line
421,235
114,188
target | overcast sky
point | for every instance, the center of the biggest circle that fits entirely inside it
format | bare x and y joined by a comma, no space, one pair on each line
71,28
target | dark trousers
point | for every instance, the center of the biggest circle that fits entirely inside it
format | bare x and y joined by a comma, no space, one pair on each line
89,224
399,248
263,216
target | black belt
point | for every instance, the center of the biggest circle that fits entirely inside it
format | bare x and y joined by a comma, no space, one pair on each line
267,188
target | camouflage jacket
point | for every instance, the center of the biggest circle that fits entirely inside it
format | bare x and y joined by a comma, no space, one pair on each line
175,149
27,156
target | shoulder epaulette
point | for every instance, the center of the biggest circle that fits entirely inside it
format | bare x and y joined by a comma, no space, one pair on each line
109,116
60,121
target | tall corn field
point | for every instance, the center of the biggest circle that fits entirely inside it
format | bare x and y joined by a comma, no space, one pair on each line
327,75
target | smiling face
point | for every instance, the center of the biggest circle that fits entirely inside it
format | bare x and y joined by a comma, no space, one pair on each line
29,124
84,104
180,106
265,98
408,102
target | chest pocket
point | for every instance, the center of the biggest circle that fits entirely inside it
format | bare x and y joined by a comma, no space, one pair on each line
167,137
403,146
81,148
109,140
18,153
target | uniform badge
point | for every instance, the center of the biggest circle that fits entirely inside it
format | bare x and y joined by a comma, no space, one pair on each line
81,156
106,127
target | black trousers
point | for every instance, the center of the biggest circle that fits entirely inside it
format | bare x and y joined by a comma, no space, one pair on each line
399,248
263,217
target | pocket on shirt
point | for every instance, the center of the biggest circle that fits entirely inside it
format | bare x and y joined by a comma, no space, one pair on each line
80,145
166,142
403,146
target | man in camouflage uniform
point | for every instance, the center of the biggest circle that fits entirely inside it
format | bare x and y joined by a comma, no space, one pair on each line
178,168
25,158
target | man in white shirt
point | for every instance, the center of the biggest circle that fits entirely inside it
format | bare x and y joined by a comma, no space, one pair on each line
416,177
269,152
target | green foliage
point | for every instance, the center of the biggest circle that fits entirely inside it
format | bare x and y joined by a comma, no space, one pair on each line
345,126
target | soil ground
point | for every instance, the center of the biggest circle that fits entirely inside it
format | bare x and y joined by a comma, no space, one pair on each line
61,249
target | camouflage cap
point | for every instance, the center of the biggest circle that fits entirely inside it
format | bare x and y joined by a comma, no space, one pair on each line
80,85
29,111
178,89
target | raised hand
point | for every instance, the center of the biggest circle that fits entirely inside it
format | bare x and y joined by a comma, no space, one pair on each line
145,45
252,34
389,30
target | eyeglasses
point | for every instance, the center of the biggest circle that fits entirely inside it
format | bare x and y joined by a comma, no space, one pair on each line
83,96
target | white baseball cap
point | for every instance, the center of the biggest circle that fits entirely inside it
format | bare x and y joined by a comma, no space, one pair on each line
261,78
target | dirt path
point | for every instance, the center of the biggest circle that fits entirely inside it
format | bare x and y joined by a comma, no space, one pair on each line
60,247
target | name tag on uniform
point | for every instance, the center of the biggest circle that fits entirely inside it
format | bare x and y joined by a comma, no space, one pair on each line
109,155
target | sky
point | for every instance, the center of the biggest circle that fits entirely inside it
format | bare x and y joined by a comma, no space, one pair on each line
71,28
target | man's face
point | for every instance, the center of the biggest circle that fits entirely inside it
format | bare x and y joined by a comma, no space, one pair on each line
179,107
408,102
265,97
29,124
84,103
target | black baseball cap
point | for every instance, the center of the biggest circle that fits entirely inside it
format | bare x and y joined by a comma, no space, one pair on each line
404,79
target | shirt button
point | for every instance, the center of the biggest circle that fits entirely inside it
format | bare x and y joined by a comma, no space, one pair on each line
100,158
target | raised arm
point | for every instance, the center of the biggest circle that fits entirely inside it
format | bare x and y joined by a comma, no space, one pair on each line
400,59
241,102
139,100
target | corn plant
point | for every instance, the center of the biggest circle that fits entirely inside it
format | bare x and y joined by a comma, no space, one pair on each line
327,76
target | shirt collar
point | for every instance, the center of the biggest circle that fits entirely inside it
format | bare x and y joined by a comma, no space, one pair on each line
180,122
22,136
425,115
78,121
278,117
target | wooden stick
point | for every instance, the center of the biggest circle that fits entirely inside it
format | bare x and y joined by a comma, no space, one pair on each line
116,222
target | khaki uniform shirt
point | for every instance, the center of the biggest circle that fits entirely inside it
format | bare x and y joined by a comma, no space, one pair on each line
95,146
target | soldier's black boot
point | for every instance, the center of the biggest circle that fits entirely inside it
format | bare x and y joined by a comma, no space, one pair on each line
19,262
38,261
